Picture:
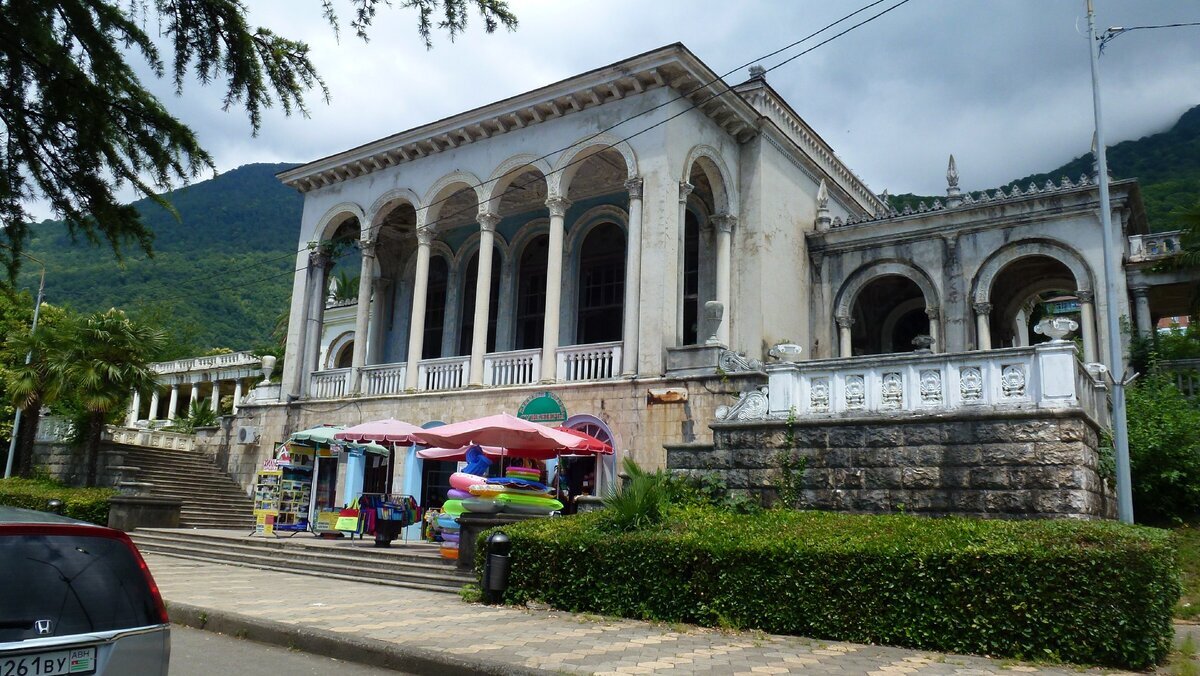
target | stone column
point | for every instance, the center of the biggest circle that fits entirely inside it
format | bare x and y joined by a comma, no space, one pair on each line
983,328
633,279
237,395
318,268
215,404
416,326
845,346
724,224
558,210
483,295
685,189
1141,300
1021,325
1087,322
135,406
173,404
366,277
377,324
195,398
935,328
154,404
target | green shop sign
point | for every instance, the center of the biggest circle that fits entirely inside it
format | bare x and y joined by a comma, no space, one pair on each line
543,407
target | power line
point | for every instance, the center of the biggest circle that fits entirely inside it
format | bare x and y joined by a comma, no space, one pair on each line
692,105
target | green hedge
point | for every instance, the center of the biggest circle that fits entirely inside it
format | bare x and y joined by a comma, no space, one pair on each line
1083,592
85,504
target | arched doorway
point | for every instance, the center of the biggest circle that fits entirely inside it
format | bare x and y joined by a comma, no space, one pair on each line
889,315
344,357
531,293
601,285
602,467
1026,291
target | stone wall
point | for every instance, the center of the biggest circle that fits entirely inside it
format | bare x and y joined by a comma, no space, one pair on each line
68,464
644,415
1021,464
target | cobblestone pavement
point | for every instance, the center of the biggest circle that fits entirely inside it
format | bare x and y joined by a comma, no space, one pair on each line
554,641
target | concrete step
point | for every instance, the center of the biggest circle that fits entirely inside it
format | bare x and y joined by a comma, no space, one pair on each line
412,551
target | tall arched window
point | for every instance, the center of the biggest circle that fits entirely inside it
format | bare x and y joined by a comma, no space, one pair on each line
467,321
601,285
435,307
691,279
531,293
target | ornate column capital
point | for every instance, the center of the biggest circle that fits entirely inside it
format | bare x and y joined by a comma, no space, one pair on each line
685,189
488,221
634,186
933,313
319,260
1139,291
845,322
368,247
425,236
558,206
982,308
724,222
1085,296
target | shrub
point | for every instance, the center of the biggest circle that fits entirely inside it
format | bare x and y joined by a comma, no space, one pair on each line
1164,450
1089,592
641,502
85,504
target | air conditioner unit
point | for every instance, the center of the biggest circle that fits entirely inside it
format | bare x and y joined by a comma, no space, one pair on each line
247,434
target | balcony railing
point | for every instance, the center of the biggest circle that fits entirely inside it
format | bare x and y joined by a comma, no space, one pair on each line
521,367
1045,376
1155,246
384,379
331,384
589,362
232,359
172,441
449,373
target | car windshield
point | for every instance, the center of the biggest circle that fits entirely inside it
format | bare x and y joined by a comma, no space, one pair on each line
56,585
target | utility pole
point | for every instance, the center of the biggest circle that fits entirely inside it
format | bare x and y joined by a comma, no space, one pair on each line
37,306
1116,367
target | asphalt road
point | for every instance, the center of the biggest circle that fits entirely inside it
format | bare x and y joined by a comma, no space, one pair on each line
204,653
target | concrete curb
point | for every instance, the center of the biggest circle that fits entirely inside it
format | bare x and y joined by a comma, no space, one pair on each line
349,648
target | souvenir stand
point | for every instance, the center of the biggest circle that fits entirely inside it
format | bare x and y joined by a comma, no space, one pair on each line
313,455
383,515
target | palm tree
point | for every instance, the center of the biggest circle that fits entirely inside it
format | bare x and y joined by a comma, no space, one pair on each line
33,385
107,357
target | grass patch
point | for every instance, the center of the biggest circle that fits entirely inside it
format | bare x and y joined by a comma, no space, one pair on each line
1187,540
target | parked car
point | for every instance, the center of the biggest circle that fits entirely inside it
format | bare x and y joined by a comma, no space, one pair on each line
76,598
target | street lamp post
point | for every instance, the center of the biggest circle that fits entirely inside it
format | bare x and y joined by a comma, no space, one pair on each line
37,306
1116,366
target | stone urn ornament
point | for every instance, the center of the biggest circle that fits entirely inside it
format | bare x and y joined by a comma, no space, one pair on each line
1056,328
714,310
786,351
923,343
268,367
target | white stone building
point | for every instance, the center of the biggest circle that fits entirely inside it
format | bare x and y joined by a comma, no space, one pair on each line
574,239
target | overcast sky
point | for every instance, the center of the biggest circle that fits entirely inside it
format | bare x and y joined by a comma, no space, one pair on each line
1003,84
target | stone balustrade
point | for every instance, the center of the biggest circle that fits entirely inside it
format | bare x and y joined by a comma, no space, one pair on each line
449,373
597,361
216,361
1155,246
384,379
519,367
1046,376
330,384
173,441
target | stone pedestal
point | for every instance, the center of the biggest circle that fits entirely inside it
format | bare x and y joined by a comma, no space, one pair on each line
471,525
693,360
127,512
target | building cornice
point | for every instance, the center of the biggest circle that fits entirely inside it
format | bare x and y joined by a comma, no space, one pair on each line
673,66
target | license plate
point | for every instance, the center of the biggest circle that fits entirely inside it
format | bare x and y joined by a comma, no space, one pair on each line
58,663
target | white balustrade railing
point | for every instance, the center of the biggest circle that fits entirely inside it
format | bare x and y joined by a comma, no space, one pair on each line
443,374
330,384
232,359
1045,376
1155,246
589,362
383,378
521,367
172,441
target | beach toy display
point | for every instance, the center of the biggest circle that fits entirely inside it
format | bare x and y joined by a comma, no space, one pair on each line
461,482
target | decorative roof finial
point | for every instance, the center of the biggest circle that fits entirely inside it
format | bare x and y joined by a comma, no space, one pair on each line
953,194
757,72
823,220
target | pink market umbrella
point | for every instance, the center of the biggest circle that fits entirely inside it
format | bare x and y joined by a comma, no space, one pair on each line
391,431
505,431
457,454
590,444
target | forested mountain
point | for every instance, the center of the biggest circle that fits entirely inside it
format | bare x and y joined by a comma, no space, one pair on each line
1167,165
222,272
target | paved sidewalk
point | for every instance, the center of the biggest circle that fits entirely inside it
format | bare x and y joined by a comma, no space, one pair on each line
428,632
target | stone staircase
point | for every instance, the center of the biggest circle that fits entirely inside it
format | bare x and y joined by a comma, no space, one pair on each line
414,565
211,499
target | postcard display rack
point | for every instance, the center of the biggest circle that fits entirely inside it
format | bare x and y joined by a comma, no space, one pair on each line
267,497
282,493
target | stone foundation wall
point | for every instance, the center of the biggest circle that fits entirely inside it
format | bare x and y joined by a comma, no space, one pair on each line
1014,464
642,416
68,463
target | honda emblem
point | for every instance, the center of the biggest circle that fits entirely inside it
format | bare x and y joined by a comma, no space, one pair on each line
43,627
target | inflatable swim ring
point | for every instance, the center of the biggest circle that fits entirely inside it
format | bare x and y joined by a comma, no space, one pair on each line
450,552
450,537
519,484
482,490
455,494
481,506
447,522
523,473
453,507
530,500
513,508
463,481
